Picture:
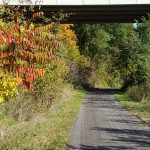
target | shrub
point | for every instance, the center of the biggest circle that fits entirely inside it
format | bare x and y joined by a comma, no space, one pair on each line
139,93
84,71
8,87
51,84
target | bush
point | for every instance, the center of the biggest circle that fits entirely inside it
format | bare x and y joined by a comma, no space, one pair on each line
8,87
51,131
84,71
139,93
47,90
64,68
26,107
51,84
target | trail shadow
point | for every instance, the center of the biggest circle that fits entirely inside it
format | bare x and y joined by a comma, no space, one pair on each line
136,136
99,98
117,130
86,147
102,90
128,121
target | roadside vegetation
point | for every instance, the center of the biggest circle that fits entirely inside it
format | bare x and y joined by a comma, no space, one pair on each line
44,66
40,89
50,130
141,109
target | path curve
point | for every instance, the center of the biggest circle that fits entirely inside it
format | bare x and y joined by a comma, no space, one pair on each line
103,124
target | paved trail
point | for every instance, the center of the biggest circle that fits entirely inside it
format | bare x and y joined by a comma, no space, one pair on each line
103,124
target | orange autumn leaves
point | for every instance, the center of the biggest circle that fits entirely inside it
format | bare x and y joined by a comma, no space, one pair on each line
23,49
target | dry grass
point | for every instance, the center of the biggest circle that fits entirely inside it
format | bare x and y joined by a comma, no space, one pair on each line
44,131
139,93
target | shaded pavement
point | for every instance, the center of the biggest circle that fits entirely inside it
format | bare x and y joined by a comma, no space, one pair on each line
102,124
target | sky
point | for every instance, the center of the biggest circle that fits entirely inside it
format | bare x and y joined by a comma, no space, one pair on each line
86,2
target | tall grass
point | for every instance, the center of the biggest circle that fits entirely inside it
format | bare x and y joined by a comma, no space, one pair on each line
139,93
44,131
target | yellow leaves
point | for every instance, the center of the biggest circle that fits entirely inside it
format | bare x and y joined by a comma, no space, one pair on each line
66,26
44,28
4,84
8,87
22,29
3,26
68,35
1,99
44,45
45,35
32,26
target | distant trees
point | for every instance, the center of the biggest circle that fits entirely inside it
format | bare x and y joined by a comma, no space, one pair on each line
121,50
93,43
127,43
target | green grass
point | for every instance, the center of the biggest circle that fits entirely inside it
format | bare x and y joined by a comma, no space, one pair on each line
140,109
45,133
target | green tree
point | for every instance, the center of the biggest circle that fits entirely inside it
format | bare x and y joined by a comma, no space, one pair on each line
93,42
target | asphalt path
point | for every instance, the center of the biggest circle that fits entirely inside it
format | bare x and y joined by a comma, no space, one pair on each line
102,124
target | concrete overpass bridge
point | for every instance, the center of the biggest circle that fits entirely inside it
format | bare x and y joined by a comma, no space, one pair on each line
98,11
101,13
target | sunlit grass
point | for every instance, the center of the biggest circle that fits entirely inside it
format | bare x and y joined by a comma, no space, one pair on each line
139,108
47,132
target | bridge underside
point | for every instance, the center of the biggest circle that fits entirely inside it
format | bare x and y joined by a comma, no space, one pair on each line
100,13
